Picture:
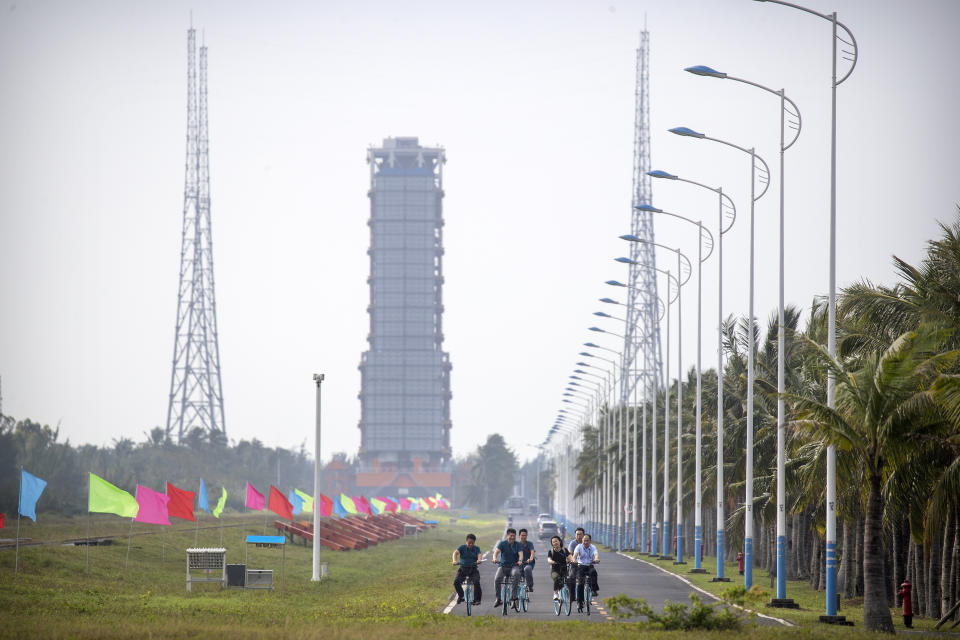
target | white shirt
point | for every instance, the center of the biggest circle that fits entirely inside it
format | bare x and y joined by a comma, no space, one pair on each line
586,556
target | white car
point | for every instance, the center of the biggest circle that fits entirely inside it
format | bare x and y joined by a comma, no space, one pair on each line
542,517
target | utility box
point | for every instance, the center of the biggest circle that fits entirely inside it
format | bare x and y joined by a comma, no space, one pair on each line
409,530
211,564
237,575
259,579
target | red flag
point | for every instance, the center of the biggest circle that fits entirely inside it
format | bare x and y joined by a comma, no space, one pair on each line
391,505
181,503
362,505
325,505
279,504
1,521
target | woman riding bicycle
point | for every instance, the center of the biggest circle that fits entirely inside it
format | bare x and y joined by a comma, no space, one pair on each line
559,560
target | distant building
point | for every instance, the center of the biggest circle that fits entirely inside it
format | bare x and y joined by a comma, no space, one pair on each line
405,374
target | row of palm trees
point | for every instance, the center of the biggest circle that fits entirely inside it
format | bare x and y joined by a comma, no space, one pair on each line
895,425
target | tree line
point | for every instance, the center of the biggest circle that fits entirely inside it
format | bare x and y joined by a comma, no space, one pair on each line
895,425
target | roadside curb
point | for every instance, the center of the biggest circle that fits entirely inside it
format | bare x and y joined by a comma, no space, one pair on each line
785,623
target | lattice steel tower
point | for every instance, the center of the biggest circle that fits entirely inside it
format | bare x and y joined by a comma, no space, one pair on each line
641,349
196,394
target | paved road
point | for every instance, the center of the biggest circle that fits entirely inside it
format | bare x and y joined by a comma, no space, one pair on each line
617,574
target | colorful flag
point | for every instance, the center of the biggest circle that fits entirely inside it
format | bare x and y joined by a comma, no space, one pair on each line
181,503
202,501
255,499
153,506
378,504
347,504
325,505
106,498
307,500
30,489
1,521
338,507
217,510
405,504
431,503
361,504
279,504
391,504
296,501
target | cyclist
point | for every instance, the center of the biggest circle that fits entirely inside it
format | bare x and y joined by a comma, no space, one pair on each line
509,555
586,556
467,556
559,559
530,558
578,538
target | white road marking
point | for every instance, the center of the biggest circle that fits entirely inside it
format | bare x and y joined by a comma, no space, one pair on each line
707,593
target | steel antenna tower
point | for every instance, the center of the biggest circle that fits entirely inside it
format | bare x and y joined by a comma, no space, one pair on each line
196,393
641,348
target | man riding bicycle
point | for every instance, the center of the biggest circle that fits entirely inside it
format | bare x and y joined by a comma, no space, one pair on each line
586,556
467,556
529,558
509,555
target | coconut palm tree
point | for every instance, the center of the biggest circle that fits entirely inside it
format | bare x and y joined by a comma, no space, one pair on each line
887,405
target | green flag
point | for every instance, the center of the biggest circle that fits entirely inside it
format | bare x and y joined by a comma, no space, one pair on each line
307,501
106,498
222,501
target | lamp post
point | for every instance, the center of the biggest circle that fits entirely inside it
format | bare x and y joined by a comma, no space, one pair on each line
608,518
598,512
701,230
615,496
318,379
682,261
796,124
647,524
850,55
638,504
725,220
764,178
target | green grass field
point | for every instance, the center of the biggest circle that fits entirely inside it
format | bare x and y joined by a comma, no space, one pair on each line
396,589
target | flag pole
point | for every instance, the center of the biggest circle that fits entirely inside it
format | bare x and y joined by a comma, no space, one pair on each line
196,533
129,538
163,532
88,525
16,564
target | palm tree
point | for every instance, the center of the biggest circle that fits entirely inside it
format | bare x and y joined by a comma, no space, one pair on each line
887,406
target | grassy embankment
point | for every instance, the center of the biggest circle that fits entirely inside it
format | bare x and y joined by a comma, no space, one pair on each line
810,600
393,590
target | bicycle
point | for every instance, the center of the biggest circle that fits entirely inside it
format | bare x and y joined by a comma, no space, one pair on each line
505,592
468,590
563,604
583,579
523,598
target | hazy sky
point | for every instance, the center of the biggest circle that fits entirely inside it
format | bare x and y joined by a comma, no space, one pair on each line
533,102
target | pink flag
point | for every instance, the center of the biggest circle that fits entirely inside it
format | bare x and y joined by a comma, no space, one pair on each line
153,506
255,499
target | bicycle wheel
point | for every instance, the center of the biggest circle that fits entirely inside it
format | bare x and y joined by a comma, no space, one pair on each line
504,592
524,598
587,595
565,598
468,595
558,604
519,592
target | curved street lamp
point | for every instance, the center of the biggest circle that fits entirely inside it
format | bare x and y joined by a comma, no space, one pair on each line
850,54
701,238
764,178
682,261
726,215
796,124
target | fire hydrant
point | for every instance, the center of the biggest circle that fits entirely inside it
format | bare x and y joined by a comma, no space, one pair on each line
740,562
905,592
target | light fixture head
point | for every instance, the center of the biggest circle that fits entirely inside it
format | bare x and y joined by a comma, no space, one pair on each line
704,70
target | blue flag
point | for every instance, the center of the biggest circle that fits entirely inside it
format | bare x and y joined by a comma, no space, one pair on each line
202,502
338,508
30,489
296,501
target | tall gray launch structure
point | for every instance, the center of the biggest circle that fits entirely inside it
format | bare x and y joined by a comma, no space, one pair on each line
405,374
196,395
